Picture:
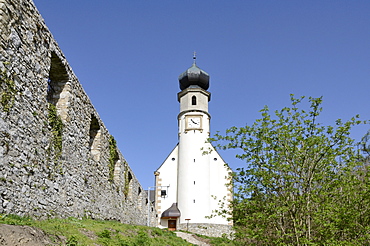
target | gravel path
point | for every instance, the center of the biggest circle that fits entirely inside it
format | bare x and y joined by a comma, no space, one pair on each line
191,239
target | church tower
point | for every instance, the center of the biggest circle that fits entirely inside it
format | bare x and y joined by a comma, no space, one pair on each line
193,166
190,183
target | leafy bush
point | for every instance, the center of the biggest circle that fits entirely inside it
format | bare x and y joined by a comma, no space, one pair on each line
104,234
72,241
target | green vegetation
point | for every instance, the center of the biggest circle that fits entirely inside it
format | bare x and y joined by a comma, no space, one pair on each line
303,183
113,157
56,124
96,232
126,187
219,241
8,90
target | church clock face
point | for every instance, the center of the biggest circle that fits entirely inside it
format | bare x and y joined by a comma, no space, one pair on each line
193,122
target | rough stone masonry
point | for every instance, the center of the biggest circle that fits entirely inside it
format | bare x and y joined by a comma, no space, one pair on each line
57,159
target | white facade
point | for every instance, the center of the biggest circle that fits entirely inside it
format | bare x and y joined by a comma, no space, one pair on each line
193,180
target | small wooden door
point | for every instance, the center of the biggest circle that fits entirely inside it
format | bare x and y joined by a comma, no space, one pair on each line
172,225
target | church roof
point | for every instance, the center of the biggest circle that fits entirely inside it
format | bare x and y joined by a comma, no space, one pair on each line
173,212
194,76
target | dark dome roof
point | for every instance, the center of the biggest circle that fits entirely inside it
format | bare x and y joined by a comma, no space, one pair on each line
173,211
194,76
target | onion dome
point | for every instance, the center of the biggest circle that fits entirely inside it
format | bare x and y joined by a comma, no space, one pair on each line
172,212
194,76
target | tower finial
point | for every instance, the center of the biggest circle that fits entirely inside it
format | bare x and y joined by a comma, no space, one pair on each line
194,57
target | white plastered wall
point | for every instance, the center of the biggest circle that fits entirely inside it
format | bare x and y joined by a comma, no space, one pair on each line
220,186
193,173
167,178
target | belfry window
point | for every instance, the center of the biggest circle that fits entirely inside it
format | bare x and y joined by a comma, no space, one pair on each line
193,100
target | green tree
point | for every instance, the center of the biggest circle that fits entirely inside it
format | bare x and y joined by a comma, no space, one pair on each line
300,180
365,146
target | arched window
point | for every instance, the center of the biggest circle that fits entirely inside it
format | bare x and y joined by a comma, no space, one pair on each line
193,100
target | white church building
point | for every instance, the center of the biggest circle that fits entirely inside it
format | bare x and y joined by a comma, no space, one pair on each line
190,183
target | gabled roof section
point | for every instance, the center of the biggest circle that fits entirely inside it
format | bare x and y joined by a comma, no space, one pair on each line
173,150
218,154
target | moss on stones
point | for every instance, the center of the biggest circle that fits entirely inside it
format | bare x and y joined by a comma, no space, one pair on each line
8,90
56,124
113,157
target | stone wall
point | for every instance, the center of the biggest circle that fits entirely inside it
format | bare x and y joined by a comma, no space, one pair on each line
57,158
211,230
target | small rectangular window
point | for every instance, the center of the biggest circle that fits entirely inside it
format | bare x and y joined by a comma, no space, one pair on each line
163,193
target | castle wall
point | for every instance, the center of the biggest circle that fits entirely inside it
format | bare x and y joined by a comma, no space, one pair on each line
57,159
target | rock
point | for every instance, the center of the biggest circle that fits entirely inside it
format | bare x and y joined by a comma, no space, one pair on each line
11,235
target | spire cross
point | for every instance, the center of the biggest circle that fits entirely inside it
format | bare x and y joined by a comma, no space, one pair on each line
194,57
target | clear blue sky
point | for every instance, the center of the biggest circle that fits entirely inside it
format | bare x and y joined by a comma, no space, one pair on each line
128,55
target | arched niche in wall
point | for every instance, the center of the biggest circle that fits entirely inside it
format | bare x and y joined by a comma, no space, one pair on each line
117,171
58,91
94,138
140,199
128,184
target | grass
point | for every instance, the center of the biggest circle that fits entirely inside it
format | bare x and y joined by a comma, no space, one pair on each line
78,232
219,241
